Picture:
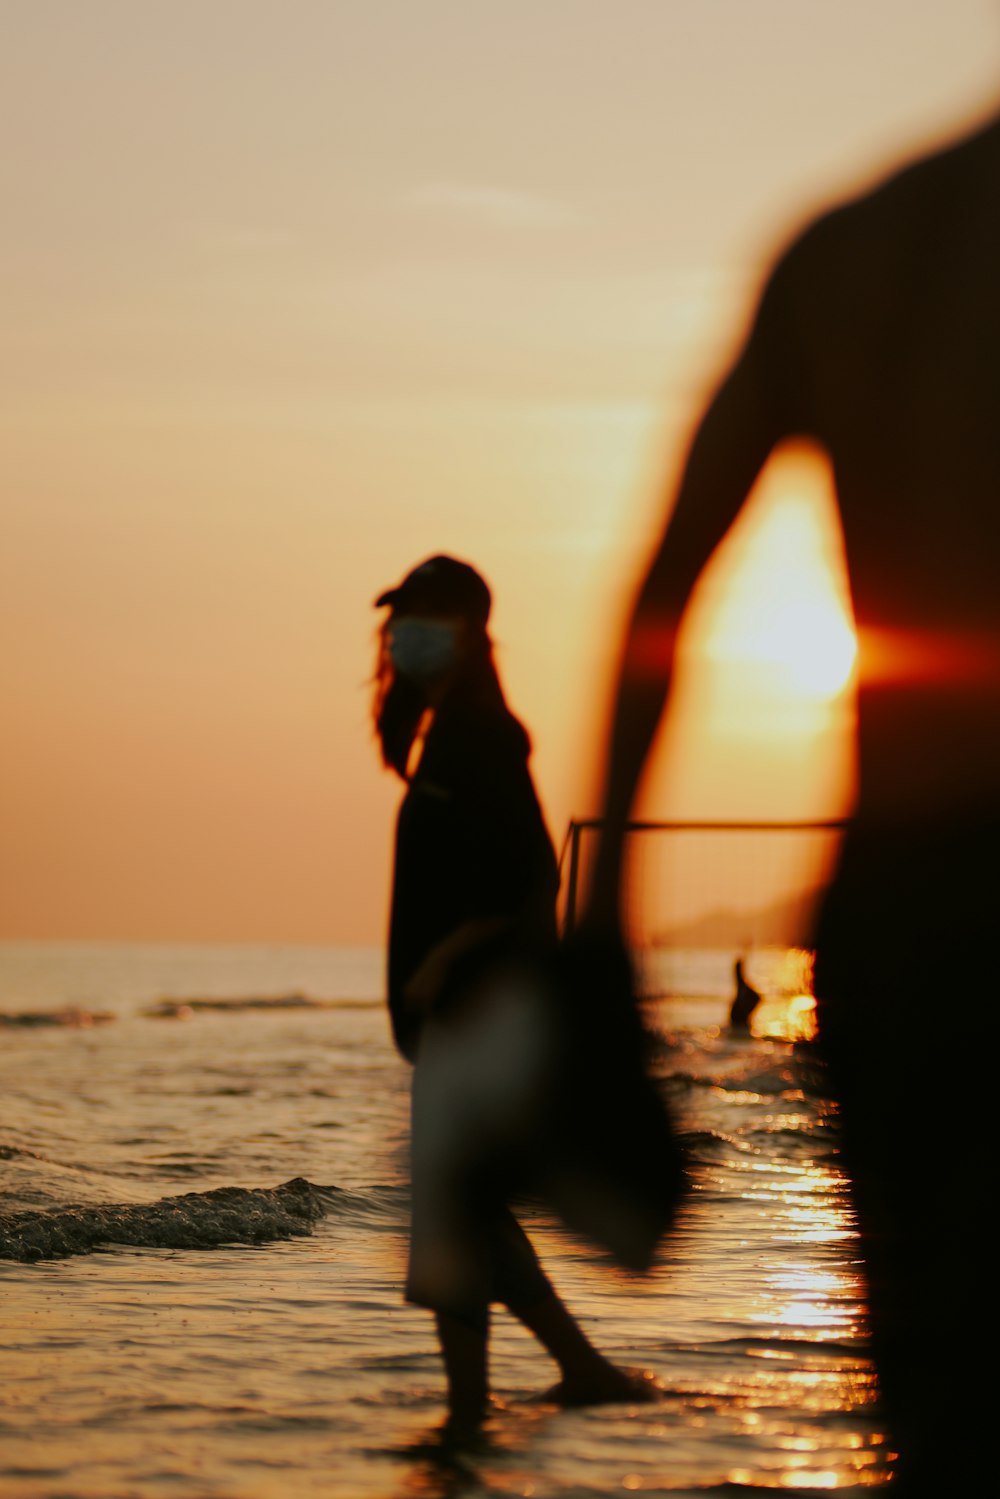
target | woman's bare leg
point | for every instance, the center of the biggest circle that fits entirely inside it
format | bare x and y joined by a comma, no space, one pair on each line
464,1351
588,1378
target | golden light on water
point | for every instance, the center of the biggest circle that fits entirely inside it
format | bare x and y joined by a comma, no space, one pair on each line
802,1306
786,1018
812,1301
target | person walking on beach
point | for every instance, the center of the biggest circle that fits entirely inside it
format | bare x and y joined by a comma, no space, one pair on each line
473,897
877,337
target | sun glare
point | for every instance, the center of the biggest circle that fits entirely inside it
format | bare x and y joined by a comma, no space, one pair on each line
785,606
806,637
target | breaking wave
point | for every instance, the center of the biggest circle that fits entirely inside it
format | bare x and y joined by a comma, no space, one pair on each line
193,1220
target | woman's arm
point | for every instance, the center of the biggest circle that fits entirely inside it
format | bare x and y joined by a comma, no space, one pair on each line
423,987
749,414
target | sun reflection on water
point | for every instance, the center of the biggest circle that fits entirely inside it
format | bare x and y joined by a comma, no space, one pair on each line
792,1275
789,1018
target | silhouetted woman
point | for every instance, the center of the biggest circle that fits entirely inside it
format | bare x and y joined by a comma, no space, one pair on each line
474,889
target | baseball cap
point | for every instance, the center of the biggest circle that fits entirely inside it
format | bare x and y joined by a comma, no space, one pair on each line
444,585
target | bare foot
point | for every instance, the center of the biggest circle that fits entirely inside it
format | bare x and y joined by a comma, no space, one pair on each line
464,1428
606,1385
458,1434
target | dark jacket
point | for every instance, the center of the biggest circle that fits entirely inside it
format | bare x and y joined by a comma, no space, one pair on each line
471,840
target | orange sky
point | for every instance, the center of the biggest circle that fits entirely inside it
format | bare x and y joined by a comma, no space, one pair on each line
299,293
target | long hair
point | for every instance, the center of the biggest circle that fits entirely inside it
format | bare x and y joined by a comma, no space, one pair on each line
398,708
401,709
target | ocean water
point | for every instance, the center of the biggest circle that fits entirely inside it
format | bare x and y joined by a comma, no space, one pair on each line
203,1206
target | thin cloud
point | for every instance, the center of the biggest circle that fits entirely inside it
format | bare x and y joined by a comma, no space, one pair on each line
498,207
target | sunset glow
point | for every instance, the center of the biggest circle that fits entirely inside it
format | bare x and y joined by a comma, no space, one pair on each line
808,639
785,610
395,281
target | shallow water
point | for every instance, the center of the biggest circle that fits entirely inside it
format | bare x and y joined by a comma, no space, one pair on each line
278,1359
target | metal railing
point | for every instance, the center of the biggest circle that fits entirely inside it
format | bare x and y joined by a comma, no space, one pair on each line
578,826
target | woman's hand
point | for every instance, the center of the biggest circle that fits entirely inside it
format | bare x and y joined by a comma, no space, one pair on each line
427,981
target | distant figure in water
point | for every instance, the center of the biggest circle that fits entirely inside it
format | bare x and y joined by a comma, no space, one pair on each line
877,338
474,885
744,1002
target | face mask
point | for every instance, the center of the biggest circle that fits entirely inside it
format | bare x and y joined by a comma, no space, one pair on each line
423,649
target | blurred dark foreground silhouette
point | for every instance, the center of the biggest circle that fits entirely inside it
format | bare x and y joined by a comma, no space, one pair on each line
877,338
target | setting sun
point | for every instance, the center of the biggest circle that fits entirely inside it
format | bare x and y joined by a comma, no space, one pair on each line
807,638
785,607
762,721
